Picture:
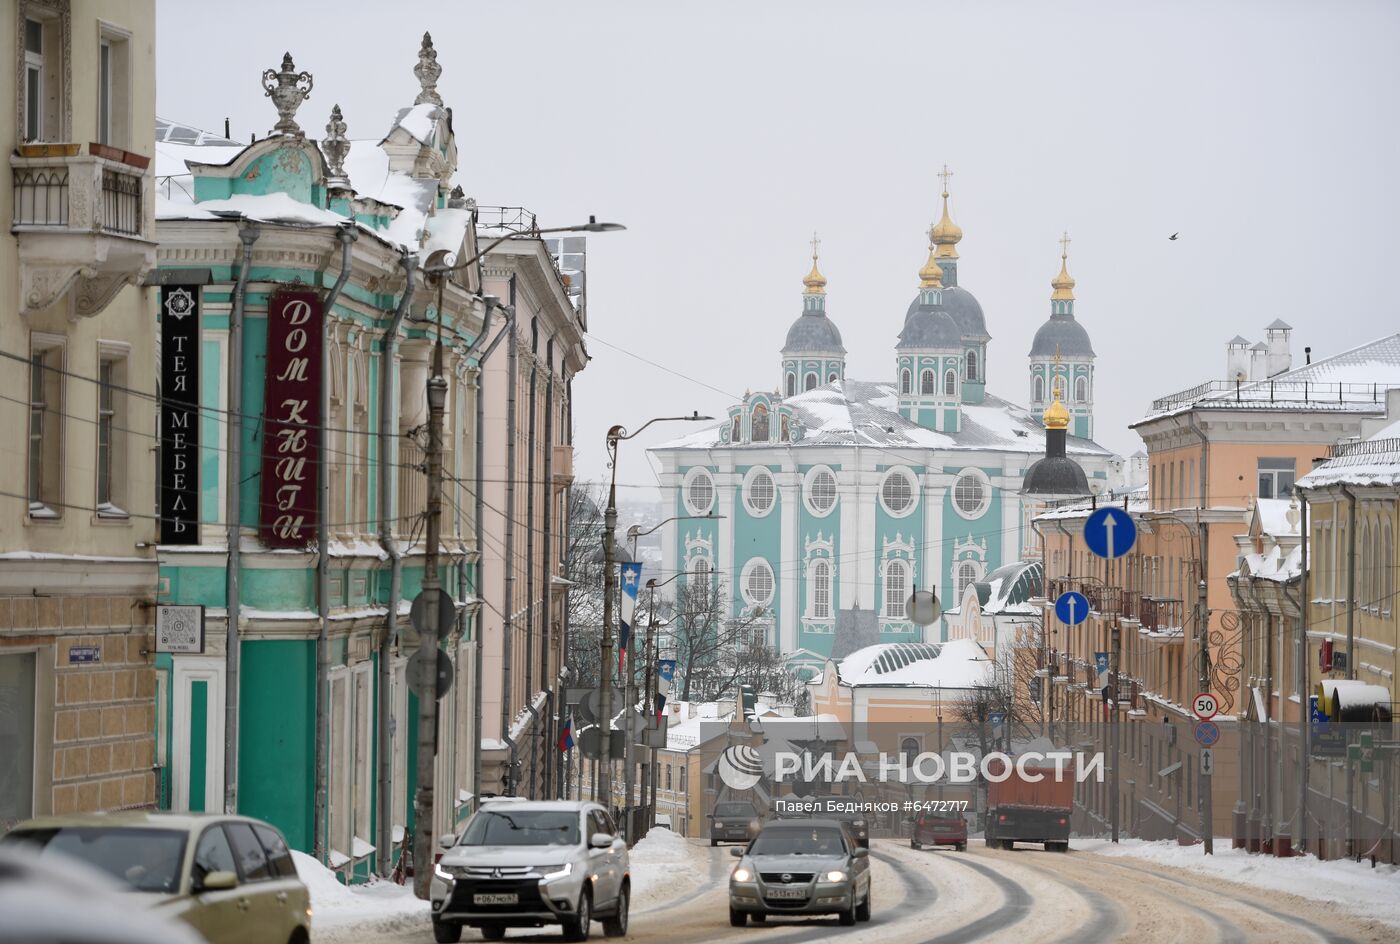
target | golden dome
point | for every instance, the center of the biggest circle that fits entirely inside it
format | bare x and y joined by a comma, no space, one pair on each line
1056,415
815,281
931,276
945,232
1063,284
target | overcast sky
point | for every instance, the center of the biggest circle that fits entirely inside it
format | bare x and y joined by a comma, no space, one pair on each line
723,134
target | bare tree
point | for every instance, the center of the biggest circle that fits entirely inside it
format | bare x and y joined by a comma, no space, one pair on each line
702,633
761,668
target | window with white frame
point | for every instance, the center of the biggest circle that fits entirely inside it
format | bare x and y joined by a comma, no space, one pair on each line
896,588
972,365
819,594
950,382
831,377
759,491
791,383
968,574
904,381
810,383
757,582
699,492
114,88
41,45
45,428
972,494
1276,477
33,80
926,385
1038,388
821,491
1081,389
112,424
897,493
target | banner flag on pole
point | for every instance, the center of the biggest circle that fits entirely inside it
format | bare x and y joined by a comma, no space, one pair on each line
566,736
631,583
665,674
660,706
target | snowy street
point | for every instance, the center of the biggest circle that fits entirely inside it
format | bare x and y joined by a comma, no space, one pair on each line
1139,892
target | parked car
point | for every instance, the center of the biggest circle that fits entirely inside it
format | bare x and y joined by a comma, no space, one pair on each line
528,864
933,829
230,877
733,822
801,867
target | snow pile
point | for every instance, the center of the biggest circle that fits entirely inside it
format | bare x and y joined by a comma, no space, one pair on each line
665,866
344,913
1353,886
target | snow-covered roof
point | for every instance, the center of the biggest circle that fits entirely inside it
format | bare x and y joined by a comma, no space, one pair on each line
1353,381
861,413
1137,505
683,735
1374,461
1274,519
958,663
1010,588
1276,564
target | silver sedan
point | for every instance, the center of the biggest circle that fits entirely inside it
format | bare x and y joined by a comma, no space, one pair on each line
808,867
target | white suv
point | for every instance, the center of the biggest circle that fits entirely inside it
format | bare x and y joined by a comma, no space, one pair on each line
525,864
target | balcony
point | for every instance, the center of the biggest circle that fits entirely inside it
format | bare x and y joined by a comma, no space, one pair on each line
83,224
1161,615
562,468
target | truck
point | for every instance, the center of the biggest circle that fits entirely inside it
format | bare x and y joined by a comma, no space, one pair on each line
1031,804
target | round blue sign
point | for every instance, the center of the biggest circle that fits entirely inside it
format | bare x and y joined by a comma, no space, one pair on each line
1110,532
1072,607
1207,733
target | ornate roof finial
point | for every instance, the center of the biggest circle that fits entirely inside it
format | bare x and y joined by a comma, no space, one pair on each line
457,199
945,233
1063,284
931,276
287,88
428,72
335,146
1056,415
815,281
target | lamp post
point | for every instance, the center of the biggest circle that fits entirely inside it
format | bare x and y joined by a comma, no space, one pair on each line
616,434
431,631
633,533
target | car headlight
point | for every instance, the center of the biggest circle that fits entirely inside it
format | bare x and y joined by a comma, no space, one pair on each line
442,873
551,872
836,875
741,875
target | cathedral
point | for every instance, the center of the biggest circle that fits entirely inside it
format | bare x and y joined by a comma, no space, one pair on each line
821,506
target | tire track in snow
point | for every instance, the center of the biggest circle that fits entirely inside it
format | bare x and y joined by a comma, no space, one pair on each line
1016,905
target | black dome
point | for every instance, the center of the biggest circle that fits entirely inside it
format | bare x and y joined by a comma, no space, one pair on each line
1062,332
965,309
931,327
813,332
1055,475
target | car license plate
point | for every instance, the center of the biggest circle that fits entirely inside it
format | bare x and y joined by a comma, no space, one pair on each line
496,899
792,893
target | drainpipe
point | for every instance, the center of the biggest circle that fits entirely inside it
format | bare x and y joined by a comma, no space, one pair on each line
1301,839
1204,791
1351,659
547,608
1284,834
1044,612
384,735
347,236
1260,822
530,601
507,609
507,328
247,234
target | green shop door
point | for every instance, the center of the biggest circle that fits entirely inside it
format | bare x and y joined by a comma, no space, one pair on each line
197,734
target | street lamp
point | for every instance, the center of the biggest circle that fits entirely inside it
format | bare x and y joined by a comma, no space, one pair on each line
633,534
431,631
616,434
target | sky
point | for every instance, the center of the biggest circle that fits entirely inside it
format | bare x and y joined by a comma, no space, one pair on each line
724,134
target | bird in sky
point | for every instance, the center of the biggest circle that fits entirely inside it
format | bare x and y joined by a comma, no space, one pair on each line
1173,235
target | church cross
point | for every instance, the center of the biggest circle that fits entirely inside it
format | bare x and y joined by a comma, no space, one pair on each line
945,174
815,243
1064,245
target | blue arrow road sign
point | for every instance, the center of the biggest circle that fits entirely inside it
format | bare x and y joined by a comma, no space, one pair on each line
1072,608
1207,733
1101,662
1110,532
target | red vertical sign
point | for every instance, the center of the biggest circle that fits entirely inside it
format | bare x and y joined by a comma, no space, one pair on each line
291,416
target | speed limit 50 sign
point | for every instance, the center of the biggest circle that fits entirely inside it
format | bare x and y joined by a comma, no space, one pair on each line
1205,706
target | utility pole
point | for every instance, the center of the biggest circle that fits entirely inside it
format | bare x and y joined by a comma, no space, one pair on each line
426,662
605,670
1114,731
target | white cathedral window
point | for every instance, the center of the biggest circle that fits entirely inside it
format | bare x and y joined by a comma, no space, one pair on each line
791,383
758,582
810,383
971,494
821,491
926,382
1038,389
700,492
971,365
1081,389
821,590
904,381
967,576
897,493
759,491
896,588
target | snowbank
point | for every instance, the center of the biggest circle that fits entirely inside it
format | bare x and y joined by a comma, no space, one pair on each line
343,913
1352,886
665,866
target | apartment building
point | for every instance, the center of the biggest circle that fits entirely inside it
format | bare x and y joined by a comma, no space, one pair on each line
78,517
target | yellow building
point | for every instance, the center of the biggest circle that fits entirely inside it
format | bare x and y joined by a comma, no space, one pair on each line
77,398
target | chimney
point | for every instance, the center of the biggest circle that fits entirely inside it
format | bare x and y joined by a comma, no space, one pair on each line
1280,356
1307,354
1259,362
1237,359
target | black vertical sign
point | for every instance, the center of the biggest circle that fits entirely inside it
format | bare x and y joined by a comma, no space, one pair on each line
179,414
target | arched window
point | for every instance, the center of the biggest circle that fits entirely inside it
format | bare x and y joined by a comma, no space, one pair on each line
821,590
926,382
909,749
950,382
1038,388
736,430
896,588
810,383
904,382
791,383
971,365
758,424
1388,570
967,576
1081,389
831,377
